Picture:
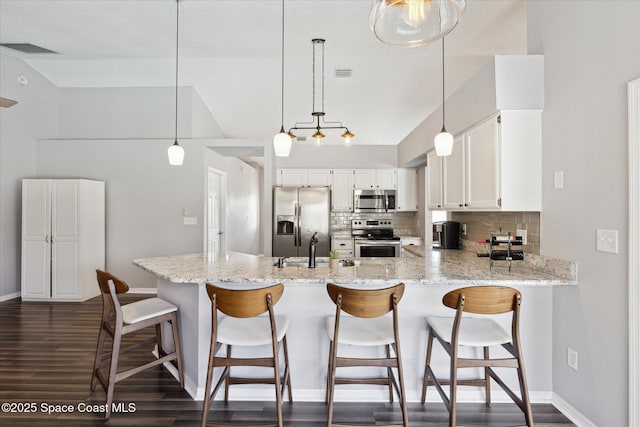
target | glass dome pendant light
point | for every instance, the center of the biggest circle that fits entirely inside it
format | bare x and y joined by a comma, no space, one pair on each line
176,152
282,140
411,23
444,140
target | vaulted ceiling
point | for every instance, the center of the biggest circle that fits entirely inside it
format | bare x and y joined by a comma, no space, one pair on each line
230,53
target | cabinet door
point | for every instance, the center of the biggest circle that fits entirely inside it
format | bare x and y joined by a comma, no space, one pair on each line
318,178
65,283
407,194
36,231
292,178
364,179
434,180
483,167
386,179
342,190
453,173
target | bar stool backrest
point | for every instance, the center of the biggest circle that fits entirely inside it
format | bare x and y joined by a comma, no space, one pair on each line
103,280
244,303
483,299
365,303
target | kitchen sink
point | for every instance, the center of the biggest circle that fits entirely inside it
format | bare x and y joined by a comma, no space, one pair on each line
303,262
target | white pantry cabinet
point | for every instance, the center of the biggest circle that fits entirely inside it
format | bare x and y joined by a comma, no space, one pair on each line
407,193
495,165
63,238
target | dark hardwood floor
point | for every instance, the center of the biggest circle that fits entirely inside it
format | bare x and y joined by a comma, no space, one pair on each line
46,356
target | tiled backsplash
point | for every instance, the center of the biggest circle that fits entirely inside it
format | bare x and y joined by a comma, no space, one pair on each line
403,222
481,224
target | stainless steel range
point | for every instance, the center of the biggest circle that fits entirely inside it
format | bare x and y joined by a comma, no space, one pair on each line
375,238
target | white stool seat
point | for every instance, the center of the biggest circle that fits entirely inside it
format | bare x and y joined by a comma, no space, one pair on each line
145,309
474,331
362,331
250,331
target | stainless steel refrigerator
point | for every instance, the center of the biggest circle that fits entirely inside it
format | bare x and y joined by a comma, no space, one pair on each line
298,213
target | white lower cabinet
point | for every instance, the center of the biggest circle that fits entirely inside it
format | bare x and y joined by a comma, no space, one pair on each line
343,246
63,238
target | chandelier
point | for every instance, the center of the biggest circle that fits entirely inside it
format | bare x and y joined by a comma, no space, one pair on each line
317,123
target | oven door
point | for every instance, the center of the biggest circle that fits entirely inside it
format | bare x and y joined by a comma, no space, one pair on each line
377,249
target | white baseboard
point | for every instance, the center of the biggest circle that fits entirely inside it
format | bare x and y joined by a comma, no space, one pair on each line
570,412
9,296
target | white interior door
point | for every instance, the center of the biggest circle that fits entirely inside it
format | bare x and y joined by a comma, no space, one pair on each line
216,242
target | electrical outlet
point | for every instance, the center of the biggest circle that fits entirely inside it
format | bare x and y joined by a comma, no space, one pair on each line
572,358
464,229
522,233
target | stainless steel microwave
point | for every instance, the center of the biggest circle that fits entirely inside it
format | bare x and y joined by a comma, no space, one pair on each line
374,200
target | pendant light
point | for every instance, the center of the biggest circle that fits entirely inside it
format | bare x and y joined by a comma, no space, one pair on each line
282,140
176,152
444,140
410,23
317,123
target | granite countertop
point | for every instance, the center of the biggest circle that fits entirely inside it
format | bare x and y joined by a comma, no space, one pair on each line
435,267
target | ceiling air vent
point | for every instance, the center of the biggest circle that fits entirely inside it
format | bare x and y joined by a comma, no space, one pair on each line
344,72
26,48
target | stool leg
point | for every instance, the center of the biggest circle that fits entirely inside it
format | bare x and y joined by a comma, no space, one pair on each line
332,382
329,369
523,389
207,390
99,351
276,377
177,347
453,389
403,398
425,381
113,369
389,374
287,371
487,378
226,380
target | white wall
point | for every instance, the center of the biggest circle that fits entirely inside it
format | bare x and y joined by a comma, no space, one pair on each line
340,157
33,116
591,50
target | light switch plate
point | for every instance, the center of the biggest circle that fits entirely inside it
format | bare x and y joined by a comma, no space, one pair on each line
607,241
190,220
558,180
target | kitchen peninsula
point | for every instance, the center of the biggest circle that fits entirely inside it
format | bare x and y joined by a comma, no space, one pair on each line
181,280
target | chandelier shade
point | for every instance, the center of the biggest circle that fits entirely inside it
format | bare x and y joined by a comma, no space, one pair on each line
411,23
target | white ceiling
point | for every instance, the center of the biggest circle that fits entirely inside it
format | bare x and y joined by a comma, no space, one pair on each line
230,53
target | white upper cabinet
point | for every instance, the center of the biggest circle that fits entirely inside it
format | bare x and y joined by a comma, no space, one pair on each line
375,179
342,190
407,194
434,180
453,171
303,178
495,165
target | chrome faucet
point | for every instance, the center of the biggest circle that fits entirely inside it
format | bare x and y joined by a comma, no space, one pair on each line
280,263
312,250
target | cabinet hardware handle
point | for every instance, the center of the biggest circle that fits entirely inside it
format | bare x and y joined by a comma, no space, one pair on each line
460,205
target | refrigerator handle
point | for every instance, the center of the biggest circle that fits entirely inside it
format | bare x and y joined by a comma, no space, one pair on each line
296,223
299,215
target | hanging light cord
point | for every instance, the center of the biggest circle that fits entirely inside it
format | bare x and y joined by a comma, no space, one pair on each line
443,128
282,73
177,47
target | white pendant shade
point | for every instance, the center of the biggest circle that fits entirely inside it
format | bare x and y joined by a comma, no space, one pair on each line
176,154
282,144
443,143
410,23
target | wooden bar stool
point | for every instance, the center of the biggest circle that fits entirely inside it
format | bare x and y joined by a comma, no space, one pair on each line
367,326
243,326
119,320
484,332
